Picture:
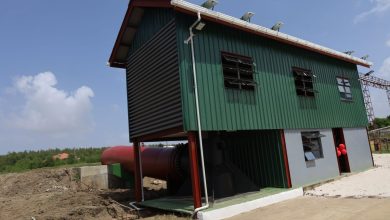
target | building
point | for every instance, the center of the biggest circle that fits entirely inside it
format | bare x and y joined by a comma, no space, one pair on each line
272,107
61,156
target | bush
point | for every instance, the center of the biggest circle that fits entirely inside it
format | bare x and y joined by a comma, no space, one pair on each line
20,161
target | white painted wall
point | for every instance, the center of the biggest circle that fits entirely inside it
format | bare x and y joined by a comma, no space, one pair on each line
358,149
322,169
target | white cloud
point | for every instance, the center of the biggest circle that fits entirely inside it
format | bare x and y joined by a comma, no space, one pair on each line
384,71
380,6
50,111
388,43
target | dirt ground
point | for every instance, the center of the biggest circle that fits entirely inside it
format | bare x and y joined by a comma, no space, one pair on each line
364,195
57,194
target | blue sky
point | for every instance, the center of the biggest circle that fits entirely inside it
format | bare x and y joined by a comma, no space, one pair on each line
55,87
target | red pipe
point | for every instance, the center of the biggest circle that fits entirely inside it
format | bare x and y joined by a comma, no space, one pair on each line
156,162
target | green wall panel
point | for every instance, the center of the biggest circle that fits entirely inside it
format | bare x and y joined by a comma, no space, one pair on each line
274,103
259,155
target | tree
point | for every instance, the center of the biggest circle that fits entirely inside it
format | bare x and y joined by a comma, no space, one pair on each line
380,123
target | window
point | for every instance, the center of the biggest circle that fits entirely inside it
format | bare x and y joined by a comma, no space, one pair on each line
303,82
312,146
238,71
344,88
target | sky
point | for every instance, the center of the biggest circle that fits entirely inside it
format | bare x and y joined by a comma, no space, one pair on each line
57,91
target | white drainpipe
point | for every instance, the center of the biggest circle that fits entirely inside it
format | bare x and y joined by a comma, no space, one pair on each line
190,39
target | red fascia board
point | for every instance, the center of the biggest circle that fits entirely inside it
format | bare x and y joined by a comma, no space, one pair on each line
153,3
120,35
118,65
285,158
166,4
157,135
269,37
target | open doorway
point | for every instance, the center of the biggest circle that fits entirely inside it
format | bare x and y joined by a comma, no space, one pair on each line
341,150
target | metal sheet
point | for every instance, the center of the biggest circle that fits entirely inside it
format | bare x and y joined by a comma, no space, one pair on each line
153,20
274,103
259,155
358,149
153,84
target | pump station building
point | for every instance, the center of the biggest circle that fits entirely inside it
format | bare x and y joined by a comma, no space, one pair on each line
258,107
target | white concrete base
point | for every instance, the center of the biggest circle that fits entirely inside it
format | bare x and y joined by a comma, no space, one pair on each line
94,176
233,210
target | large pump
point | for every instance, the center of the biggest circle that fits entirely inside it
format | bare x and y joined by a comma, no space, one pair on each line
172,165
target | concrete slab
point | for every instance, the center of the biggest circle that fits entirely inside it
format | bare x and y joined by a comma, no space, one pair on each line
236,209
319,208
185,205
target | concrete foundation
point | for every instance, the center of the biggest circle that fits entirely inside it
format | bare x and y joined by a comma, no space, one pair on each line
236,209
94,176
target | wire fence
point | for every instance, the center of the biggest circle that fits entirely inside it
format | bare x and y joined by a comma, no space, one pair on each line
380,140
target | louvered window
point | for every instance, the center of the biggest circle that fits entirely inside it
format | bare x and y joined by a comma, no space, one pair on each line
304,82
238,71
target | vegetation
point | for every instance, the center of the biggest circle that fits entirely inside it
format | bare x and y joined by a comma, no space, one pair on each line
27,160
380,123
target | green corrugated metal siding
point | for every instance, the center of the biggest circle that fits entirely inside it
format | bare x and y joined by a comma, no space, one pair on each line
152,21
153,84
274,103
259,155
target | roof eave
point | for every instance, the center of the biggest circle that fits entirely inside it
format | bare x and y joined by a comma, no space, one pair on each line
189,8
132,4
117,65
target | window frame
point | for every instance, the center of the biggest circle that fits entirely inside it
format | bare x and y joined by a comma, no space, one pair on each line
238,71
304,82
310,138
343,94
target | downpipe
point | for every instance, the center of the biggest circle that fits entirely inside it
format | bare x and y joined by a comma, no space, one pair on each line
190,40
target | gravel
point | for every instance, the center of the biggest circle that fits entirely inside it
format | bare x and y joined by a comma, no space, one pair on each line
373,183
